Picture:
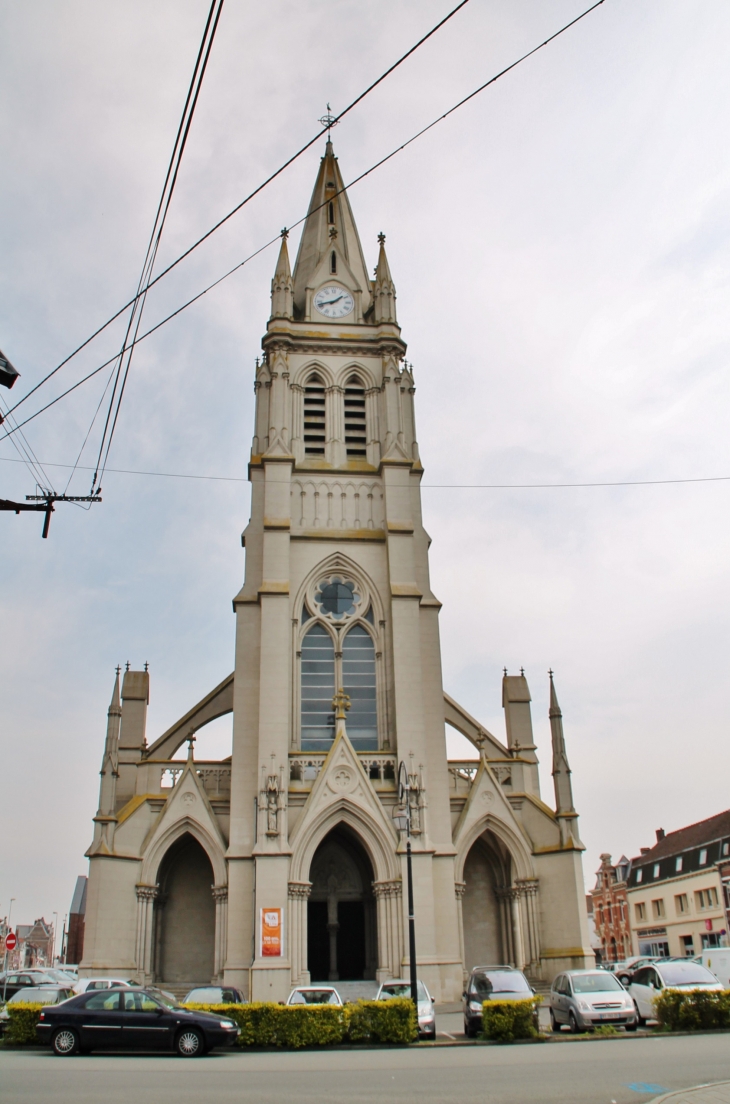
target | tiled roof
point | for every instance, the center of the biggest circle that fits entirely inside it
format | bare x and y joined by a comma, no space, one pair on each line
694,835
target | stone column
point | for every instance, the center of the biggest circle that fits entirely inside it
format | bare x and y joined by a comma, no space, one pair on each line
298,896
460,890
528,889
146,896
220,896
517,935
506,932
388,897
333,928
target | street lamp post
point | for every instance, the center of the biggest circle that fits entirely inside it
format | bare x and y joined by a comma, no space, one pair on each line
402,821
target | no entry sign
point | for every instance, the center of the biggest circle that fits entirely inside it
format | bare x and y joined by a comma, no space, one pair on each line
11,941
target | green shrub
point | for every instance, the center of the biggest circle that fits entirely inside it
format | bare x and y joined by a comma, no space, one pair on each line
391,1021
293,1026
505,1020
693,1009
20,1029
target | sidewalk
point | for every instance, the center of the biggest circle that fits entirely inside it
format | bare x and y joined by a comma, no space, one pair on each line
719,1093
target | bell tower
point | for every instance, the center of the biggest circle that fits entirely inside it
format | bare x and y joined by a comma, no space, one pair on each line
336,597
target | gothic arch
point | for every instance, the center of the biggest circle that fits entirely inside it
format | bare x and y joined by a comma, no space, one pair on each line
339,562
364,376
185,826
521,857
313,368
379,843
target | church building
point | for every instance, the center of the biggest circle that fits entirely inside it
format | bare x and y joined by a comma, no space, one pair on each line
282,864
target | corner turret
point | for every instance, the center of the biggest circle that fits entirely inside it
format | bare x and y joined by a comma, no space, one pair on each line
282,294
110,763
564,807
383,288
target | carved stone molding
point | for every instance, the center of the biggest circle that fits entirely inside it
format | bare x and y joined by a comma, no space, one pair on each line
527,887
459,889
388,889
299,890
147,892
220,893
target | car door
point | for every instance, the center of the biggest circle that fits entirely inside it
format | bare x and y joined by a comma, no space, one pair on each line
558,1000
146,1024
642,991
100,1021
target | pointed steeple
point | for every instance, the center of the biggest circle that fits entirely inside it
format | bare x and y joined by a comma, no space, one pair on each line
384,288
330,244
110,762
282,300
561,770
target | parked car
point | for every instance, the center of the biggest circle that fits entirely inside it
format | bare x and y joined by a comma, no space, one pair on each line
584,998
674,973
88,984
214,994
314,994
717,961
35,994
12,982
492,983
132,1018
389,990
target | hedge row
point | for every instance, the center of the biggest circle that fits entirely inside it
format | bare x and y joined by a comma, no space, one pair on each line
21,1026
693,1009
510,1019
301,1025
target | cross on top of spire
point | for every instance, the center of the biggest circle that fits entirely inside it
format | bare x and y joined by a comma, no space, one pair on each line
340,703
328,120
381,238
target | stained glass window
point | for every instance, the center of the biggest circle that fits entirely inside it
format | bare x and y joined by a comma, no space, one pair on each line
318,689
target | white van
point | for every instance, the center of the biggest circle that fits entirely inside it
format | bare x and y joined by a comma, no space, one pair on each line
717,960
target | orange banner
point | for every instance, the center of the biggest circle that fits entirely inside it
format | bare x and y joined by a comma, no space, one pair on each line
272,933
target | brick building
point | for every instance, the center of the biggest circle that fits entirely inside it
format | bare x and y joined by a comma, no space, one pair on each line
611,910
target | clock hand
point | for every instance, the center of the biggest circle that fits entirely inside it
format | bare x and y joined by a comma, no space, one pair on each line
329,302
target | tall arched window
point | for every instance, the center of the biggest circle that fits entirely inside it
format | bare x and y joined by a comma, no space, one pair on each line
318,689
314,417
359,683
355,419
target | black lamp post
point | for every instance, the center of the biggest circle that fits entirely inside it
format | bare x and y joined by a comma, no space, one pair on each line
402,820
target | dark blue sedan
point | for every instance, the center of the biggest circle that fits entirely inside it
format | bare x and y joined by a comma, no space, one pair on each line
132,1019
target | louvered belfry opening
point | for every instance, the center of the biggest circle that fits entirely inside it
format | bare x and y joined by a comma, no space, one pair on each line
314,417
355,421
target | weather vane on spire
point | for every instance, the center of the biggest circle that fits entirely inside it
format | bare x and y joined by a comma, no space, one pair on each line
329,120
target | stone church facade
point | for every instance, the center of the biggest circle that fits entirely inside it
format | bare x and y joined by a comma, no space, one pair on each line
282,864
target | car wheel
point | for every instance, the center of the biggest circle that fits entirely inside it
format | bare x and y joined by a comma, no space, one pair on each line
640,1021
64,1042
189,1043
468,1029
554,1025
573,1024
631,1027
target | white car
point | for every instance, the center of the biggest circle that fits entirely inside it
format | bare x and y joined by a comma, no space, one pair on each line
85,985
314,994
389,990
649,981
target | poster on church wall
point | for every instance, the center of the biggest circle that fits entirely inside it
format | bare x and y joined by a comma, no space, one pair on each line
272,933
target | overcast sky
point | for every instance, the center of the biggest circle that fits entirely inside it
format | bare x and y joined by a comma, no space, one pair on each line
560,252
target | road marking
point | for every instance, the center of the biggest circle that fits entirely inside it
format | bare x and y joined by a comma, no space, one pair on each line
646,1087
447,1036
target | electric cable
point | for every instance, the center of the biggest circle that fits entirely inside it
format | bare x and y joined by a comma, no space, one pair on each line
243,203
424,486
346,188
168,188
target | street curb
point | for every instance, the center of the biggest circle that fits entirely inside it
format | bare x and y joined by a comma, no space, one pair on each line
695,1092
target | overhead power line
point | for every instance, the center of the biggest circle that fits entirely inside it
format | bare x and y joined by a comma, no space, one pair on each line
424,486
358,99
299,221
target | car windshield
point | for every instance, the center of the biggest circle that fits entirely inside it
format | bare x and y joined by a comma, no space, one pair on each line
204,996
40,995
402,989
686,973
500,981
595,983
165,998
313,996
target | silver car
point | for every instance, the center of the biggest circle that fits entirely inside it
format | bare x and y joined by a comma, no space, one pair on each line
673,973
389,990
583,999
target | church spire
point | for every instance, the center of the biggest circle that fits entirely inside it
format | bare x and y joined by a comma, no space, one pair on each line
330,241
561,770
282,302
384,288
110,762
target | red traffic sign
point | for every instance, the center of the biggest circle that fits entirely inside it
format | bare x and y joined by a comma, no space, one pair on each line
11,941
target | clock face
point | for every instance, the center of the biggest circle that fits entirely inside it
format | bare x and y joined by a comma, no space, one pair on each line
333,301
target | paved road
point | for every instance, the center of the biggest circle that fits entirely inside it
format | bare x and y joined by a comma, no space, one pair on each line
593,1072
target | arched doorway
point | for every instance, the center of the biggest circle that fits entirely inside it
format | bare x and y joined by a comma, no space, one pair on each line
486,872
341,918
185,915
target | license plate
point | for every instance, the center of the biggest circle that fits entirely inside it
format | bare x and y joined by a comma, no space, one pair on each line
610,1015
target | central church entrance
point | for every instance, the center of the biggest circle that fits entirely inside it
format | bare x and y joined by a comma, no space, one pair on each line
341,918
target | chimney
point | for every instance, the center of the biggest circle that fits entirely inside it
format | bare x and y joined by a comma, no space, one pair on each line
645,850
660,833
